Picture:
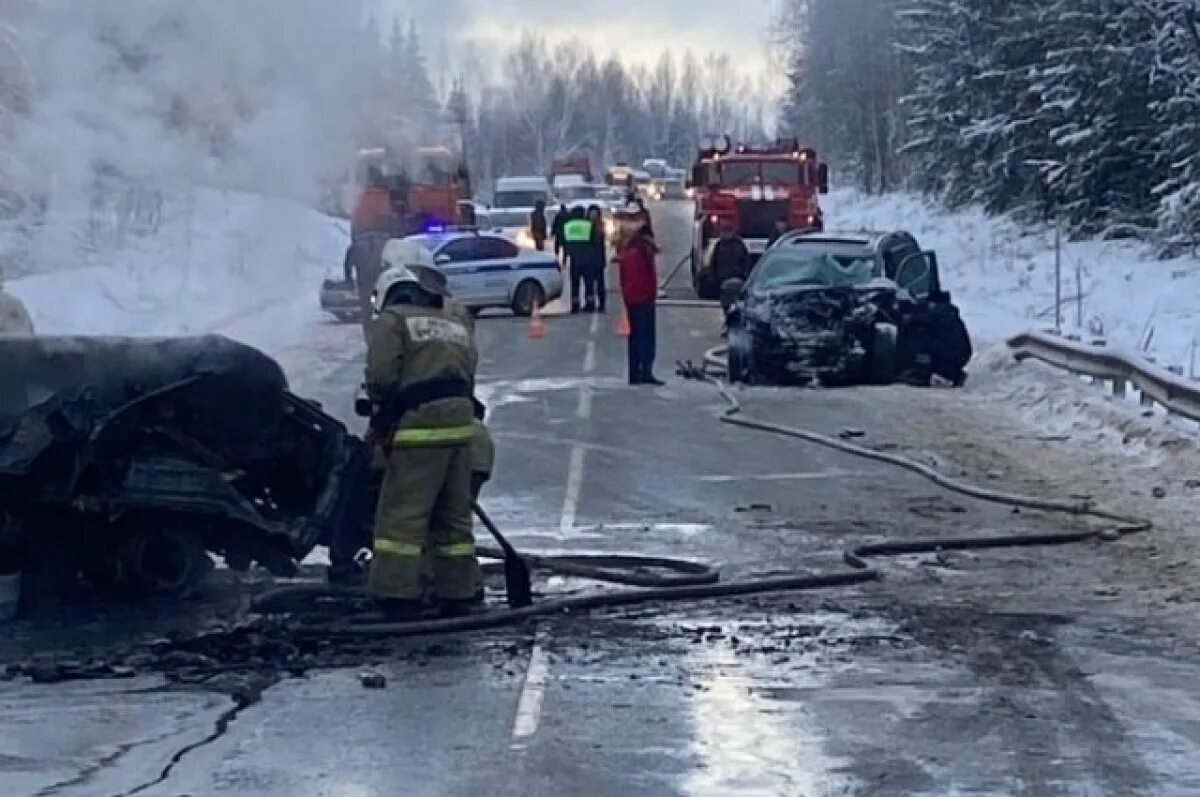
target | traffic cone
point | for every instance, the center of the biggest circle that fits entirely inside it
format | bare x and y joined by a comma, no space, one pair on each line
623,329
537,325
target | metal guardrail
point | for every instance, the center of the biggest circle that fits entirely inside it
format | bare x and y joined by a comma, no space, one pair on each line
1157,385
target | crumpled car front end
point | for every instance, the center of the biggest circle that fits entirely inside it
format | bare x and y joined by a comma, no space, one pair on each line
140,456
811,335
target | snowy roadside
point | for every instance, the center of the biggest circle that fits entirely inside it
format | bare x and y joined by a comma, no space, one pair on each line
1002,276
217,262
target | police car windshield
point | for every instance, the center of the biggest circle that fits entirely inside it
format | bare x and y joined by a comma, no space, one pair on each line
788,268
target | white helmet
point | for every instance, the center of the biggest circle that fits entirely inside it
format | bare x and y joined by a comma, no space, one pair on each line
390,278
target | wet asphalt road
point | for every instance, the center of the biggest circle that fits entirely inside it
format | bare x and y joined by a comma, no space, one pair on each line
963,675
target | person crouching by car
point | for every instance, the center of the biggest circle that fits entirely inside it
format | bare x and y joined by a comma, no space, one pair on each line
639,288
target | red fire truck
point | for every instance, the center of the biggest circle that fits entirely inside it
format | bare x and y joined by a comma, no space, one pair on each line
762,191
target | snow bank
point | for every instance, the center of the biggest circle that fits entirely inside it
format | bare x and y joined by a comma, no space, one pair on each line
1002,276
218,261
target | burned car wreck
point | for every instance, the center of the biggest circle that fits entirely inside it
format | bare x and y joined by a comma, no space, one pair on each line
840,310
128,460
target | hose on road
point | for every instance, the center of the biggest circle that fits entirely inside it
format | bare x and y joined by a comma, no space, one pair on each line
693,581
714,361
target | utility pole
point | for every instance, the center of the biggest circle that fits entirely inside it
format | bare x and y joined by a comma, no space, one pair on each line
1057,275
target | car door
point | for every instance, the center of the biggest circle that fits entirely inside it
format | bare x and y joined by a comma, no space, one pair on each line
896,249
498,266
918,275
458,260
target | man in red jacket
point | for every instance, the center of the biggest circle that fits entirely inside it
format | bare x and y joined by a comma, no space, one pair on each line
639,287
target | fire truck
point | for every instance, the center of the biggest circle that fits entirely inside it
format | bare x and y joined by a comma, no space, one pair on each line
762,191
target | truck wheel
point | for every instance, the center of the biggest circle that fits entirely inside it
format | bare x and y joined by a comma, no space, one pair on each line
881,365
529,294
158,561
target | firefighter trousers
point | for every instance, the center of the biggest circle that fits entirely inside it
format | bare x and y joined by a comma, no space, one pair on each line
425,506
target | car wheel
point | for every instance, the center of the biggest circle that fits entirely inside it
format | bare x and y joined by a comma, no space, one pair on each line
881,366
529,295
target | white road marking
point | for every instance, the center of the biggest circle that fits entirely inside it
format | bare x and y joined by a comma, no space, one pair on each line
529,707
574,485
585,404
589,356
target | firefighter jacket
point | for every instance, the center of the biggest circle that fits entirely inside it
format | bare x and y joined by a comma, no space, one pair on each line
421,373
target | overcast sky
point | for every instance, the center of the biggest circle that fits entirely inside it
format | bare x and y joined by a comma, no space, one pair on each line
636,30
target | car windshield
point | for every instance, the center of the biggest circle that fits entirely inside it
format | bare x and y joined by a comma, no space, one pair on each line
786,268
755,172
518,199
507,218
571,192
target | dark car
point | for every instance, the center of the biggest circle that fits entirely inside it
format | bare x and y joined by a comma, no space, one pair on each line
830,308
130,459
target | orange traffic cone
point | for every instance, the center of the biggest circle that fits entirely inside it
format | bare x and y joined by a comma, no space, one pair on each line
623,329
537,325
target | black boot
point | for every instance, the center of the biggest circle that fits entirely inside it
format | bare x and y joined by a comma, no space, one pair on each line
457,607
400,611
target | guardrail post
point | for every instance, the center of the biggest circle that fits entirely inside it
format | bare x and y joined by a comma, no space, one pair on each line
1120,388
1145,400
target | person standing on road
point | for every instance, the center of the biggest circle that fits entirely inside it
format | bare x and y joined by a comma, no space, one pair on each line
577,236
537,225
556,230
639,288
598,260
420,374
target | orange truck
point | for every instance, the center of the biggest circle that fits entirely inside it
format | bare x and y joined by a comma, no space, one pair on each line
398,201
761,191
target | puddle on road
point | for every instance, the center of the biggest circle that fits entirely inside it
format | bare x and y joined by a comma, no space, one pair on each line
749,744
753,732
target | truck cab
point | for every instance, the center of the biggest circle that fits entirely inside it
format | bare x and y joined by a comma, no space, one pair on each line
761,191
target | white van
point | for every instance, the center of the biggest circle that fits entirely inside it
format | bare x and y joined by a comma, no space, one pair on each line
520,193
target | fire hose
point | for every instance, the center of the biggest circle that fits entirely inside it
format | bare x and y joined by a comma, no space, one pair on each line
692,581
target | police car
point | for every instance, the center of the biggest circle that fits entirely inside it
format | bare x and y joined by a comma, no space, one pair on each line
486,270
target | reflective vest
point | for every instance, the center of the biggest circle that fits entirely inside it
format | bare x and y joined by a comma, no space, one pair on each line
577,231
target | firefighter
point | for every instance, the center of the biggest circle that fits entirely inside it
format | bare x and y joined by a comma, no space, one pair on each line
420,373
729,259
14,318
577,237
364,261
537,225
